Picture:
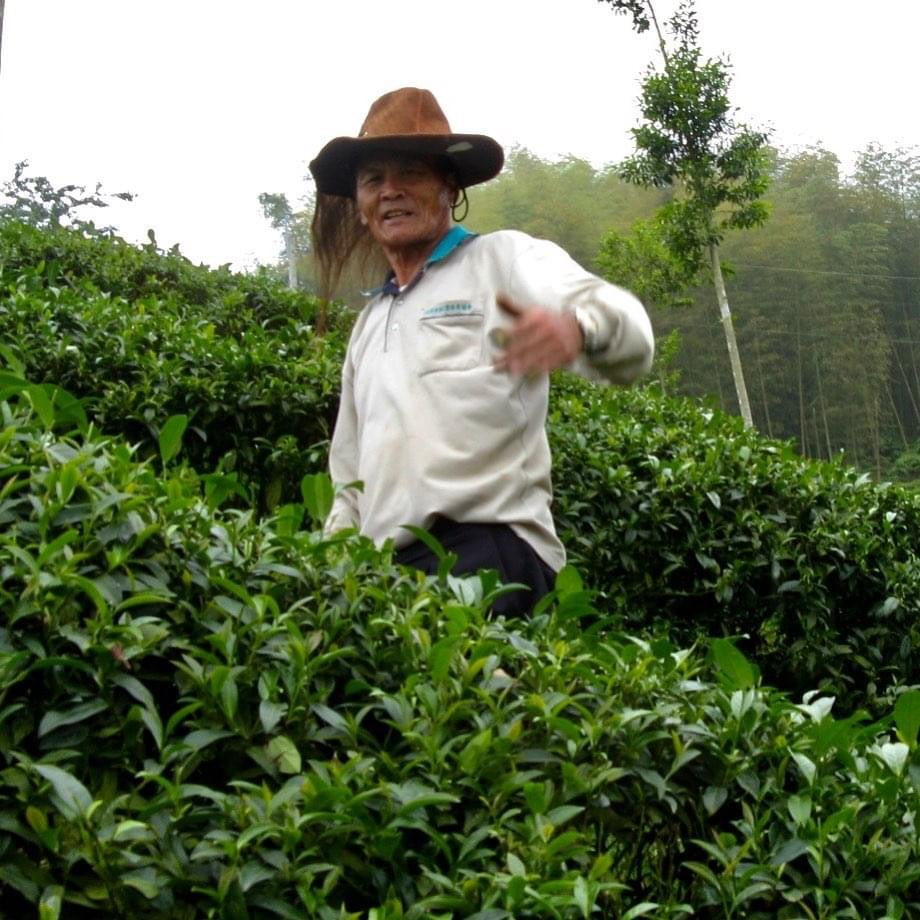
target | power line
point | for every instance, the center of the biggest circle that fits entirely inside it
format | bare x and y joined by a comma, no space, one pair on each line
818,271
801,334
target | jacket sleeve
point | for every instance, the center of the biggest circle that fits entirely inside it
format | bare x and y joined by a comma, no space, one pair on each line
544,275
343,457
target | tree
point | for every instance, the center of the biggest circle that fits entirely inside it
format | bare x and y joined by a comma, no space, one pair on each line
634,8
278,211
689,141
34,200
887,187
642,261
567,201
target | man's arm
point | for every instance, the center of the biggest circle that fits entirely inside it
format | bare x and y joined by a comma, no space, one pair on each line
343,458
563,316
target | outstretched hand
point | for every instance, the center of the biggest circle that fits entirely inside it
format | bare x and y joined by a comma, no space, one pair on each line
539,340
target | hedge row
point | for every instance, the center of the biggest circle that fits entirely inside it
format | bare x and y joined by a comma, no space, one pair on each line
205,714
675,514
139,336
682,517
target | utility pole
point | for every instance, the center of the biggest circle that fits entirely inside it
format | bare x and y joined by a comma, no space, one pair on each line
2,2
289,253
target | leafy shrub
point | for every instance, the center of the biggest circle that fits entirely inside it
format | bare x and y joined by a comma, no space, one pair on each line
677,515
206,714
140,336
906,467
681,516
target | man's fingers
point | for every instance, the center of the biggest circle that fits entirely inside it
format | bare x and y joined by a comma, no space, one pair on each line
509,306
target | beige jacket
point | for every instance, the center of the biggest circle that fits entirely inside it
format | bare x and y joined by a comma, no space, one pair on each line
426,423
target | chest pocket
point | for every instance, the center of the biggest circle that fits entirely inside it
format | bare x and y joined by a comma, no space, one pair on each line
450,336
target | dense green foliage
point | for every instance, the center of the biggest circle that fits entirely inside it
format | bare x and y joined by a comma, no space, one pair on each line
141,335
207,715
683,518
206,710
675,514
568,202
826,299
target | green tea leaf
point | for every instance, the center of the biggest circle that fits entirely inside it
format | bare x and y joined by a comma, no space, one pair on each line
907,716
714,798
71,797
799,808
170,439
806,766
53,719
431,541
143,880
788,851
318,495
568,581
41,402
440,656
284,754
535,796
736,671
641,910
270,714
582,896
69,413
49,907
331,717
200,739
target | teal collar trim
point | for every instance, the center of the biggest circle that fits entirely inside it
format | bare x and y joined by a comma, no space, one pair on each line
455,237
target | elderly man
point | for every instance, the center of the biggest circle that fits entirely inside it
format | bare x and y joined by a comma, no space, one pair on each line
445,382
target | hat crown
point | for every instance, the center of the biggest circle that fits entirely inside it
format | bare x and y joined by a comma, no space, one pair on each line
405,111
408,122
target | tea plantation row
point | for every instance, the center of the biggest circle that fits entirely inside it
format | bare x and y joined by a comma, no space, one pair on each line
207,714
208,710
678,516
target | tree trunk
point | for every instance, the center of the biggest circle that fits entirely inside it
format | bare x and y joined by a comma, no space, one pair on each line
821,401
803,437
289,253
909,335
763,388
897,415
733,356
907,387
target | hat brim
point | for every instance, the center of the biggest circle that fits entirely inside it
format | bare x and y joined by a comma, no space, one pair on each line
474,158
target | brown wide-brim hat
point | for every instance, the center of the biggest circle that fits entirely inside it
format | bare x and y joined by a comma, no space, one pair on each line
407,120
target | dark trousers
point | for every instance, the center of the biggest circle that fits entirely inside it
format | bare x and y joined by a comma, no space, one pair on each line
486,546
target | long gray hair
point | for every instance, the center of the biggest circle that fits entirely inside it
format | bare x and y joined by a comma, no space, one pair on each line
343,245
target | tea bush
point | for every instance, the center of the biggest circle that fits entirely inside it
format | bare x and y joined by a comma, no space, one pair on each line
205,714
676,515
139,336
681,516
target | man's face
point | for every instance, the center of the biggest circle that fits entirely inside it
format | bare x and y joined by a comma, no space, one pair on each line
404,201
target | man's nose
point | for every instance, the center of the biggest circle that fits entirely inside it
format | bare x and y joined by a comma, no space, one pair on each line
391,185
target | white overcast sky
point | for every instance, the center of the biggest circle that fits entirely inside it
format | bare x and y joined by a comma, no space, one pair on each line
197,106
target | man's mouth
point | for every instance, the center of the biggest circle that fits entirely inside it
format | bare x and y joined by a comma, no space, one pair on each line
395,213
